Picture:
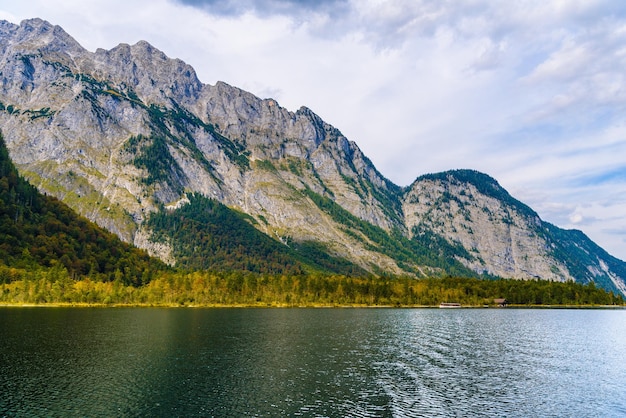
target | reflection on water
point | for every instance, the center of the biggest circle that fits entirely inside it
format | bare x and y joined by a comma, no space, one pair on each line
311,362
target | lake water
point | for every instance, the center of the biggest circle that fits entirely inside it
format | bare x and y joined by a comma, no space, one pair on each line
312,362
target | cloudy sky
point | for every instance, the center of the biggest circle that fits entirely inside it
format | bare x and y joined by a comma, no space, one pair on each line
531,92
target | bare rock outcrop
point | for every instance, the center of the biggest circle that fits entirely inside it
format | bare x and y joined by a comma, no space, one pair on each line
121,134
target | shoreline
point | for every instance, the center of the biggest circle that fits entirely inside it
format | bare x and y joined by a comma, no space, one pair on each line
290,306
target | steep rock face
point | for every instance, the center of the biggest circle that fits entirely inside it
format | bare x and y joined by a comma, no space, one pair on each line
502,238
118,133
123,133
148,72
268,132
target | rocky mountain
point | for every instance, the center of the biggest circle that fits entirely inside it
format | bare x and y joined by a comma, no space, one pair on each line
125,135
42,237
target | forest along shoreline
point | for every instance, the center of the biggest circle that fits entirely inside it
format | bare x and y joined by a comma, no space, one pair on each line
237,289
308,306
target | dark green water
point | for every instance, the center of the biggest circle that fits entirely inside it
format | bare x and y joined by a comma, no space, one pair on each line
312,362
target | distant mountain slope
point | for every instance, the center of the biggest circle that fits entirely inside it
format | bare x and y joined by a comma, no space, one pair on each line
503,236
126,134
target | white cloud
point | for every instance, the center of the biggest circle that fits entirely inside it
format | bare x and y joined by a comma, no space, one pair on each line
532,92
576,217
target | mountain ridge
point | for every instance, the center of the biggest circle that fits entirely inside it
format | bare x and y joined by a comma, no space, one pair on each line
123,134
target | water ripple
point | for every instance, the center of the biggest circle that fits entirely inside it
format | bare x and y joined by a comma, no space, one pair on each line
308,362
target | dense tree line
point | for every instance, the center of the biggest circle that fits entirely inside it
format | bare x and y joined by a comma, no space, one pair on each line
239,288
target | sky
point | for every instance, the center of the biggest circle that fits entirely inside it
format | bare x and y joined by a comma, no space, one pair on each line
531,92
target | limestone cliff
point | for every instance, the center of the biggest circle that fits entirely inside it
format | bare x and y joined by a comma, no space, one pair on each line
503,237
124,133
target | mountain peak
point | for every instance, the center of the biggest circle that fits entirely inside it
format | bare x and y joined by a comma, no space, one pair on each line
142,67
143,49
484,183
36,27
462,175
43,35
123,134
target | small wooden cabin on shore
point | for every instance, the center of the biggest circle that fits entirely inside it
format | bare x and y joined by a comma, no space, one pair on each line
501,302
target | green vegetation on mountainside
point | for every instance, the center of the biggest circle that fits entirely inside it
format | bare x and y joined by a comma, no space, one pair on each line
571,247
153,155
427,249
578,252
485,185
207,235
48,254
40,232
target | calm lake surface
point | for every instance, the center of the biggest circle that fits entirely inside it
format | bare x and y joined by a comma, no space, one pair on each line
312,362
